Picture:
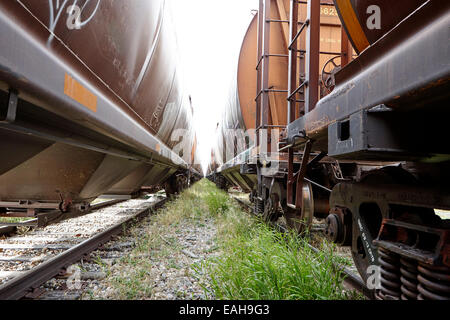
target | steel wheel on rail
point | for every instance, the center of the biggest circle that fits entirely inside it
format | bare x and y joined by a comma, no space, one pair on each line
301,220
272,208
273,205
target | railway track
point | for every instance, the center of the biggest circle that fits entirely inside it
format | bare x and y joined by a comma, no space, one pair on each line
7,229
351,279
28,261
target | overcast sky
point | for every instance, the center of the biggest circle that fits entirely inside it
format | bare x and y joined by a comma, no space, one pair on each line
210,34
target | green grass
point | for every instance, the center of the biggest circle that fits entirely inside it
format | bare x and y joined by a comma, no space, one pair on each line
159,243
250,260
13,220
217,201
258,263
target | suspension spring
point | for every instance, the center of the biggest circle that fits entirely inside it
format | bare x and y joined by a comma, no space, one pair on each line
408,270
390,275
259,206
434,282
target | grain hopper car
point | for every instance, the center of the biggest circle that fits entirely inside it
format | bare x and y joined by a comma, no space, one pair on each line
91,103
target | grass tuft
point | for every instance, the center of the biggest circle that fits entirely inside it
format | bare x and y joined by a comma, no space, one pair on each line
259,263
218,202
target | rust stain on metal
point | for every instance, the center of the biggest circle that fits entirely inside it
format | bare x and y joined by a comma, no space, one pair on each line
316,125
76,91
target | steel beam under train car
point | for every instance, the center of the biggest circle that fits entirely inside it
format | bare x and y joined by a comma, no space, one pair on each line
52,158
233,173
407,76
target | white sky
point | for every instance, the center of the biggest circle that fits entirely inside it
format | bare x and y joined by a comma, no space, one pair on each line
210,34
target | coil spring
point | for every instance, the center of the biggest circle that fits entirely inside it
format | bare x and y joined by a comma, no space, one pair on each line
434,282
259,206
390,275
408,270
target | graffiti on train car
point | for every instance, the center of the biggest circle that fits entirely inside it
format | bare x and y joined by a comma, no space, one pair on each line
74,12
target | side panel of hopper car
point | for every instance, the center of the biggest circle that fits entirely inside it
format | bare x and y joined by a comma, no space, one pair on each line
181,137
131,48
219,149
56,170
245,182
194,156
366,21
135,65
182,141
144,175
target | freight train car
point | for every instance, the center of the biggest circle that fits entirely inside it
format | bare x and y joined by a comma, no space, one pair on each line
91,102
235,151
362,138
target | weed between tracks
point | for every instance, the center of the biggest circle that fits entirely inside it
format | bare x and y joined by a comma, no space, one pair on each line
247,259
260,263
157,264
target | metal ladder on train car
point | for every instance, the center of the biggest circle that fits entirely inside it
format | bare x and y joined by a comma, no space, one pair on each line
303,85
304,95
263,114
308,87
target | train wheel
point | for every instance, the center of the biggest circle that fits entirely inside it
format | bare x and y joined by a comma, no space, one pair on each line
181,183
301,220
221,182
170,186
272,208
368,217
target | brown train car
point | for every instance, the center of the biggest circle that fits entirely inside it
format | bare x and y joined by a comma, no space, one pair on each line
366,21
241,108
378,181
90,95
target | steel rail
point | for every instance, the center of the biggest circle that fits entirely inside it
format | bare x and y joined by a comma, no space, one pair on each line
350,278
8,228
19,287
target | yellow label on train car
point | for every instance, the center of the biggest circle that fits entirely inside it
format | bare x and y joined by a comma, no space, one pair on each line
328,11
82,95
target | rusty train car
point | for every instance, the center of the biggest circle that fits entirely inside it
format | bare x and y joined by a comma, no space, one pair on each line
91,103
344,119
